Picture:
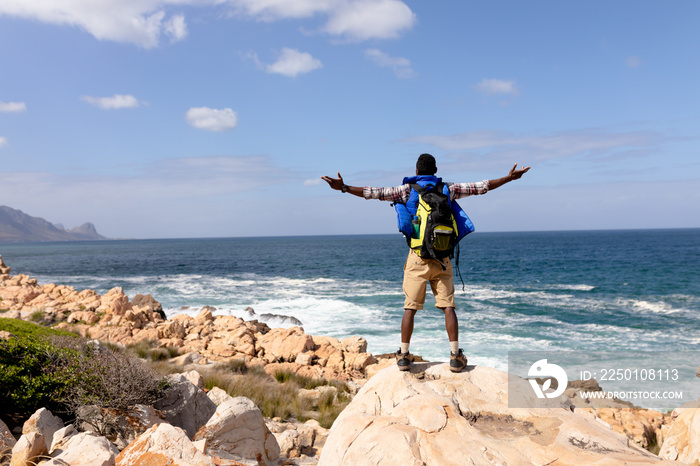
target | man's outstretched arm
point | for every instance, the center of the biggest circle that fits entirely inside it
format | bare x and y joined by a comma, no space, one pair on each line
339,185
514,174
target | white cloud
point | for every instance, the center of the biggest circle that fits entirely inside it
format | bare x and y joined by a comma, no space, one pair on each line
370,19
117,101
292,62
401,66
354,19
176,28
633,61
141,22
12,107
312,182
497,86
3,141
212,119
146,23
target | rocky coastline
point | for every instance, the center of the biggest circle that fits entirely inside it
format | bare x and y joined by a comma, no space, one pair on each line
424,411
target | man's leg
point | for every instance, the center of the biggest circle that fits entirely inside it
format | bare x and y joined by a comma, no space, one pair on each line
403,359
443,288
451,324
407,325
414,285
458,360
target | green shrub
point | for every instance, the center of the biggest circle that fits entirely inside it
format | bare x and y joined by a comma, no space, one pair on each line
29,375
65,373
21,328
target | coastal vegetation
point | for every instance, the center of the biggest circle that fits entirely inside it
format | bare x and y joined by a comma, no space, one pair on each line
60,371
65,373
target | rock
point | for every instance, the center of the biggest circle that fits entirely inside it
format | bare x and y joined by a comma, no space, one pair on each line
7,440
45,424
204,316
218,396
173,329
317,394
284,320
83,316
150,303
296,440
61,436
114,302
644,426
237,431
195,378
358,361
305,359
4,270
286,344
189,358
84,449
185,406
433,416
162,444
354,344
27,449
682,440
381,364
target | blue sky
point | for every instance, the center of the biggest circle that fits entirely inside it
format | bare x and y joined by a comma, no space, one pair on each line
196,118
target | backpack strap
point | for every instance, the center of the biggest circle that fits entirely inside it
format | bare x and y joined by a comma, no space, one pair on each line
432,187
418,188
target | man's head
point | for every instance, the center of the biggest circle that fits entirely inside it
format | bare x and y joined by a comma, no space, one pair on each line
426,165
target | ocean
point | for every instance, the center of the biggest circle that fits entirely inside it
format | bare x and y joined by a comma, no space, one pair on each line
584,291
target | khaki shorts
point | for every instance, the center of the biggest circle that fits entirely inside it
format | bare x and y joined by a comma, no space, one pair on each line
417,272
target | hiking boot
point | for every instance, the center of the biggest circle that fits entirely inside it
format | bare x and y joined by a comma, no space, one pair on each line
458,361
403,360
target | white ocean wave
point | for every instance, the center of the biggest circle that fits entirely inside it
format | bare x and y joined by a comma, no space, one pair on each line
580,287
655,307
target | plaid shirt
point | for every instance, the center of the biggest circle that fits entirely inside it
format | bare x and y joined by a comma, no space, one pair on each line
401,193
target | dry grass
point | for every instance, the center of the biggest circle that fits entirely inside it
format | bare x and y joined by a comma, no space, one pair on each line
151,351
279,396
5,456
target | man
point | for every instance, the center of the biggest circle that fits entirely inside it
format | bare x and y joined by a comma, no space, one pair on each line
420,270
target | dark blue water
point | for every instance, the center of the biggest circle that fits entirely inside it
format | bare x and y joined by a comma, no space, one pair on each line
587,290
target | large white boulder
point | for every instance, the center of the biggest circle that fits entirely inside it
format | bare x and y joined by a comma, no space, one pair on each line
163,444
237,431
36,439
682,441
433,416
84,449
186,405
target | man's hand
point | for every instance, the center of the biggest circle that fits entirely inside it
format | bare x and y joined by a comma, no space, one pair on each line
334,183
514,173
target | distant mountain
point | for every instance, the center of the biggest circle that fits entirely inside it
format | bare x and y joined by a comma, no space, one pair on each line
16,226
